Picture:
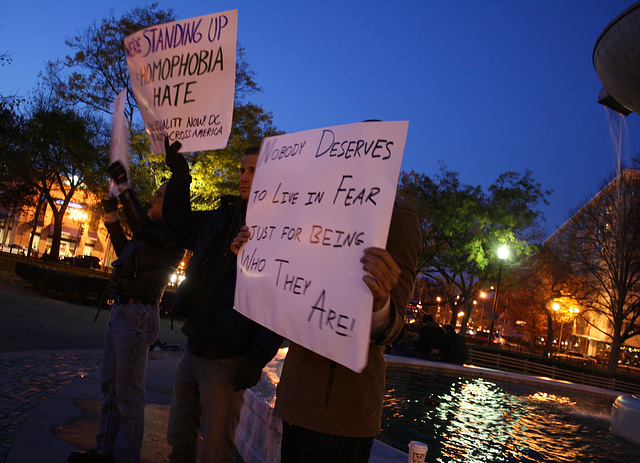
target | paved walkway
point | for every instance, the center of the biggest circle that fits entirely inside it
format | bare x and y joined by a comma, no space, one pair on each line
50,363
29,378
50,404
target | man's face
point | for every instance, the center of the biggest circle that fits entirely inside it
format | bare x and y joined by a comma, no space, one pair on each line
247,170
155,210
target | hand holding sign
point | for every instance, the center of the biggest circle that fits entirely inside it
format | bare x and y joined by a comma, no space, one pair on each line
176,162
242,237
118,174
381,275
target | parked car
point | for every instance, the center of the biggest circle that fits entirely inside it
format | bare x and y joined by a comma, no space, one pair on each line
481,337
83,261
17,249
578,357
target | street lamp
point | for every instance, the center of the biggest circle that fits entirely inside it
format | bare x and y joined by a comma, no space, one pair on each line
574,312
503,253
81,217
483,295
556,307
472,318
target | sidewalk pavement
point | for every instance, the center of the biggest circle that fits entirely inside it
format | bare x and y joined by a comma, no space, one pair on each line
50,404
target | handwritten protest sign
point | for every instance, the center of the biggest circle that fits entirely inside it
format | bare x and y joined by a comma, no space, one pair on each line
119,136
319,198
183,78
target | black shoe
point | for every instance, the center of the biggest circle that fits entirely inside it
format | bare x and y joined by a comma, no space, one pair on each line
90,456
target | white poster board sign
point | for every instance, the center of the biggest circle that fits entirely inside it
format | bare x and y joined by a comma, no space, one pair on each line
319,198
183,77
119,136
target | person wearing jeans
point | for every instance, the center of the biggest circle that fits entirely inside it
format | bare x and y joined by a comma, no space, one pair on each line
141,272
226,351
132,329
207,385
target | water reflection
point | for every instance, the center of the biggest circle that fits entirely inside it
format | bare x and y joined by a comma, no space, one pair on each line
477,420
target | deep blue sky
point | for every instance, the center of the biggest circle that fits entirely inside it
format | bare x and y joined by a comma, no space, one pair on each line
487,86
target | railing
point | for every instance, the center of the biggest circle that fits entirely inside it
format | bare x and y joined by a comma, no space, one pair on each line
529,367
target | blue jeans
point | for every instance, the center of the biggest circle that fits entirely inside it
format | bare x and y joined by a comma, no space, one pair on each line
131,331
204,402
300,445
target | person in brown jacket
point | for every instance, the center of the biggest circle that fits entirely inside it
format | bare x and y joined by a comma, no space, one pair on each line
329,412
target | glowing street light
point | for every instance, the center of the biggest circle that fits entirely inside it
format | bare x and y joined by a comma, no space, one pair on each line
78,216
556,308
483,295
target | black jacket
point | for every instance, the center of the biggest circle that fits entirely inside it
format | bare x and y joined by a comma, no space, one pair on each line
430,339
145,262
206,296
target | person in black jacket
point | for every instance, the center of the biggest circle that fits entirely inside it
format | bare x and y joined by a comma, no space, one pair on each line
141,272
226,351
455,347
429,341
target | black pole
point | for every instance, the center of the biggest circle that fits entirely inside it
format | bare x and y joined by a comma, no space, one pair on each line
495,303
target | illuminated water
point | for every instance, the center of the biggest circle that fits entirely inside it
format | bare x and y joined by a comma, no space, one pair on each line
478,420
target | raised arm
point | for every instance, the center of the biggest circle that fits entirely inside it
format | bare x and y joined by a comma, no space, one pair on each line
181,224
118,238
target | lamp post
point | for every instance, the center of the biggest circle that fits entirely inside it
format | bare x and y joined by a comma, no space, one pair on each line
573,311
483,295
503,253
556,307
81,218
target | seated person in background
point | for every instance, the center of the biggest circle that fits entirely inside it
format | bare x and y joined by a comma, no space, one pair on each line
400,349
455,347
429,341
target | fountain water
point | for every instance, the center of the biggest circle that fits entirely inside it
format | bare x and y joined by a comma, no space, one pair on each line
474,419
475,414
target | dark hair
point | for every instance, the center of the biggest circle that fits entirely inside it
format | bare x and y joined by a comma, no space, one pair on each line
252,150
427,318
448,327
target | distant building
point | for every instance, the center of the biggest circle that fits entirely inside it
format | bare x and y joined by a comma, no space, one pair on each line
595,219
83,230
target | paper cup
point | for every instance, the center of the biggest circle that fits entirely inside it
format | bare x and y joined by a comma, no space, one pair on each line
417,452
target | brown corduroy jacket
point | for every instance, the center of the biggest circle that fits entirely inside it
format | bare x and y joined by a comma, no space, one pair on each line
317,393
